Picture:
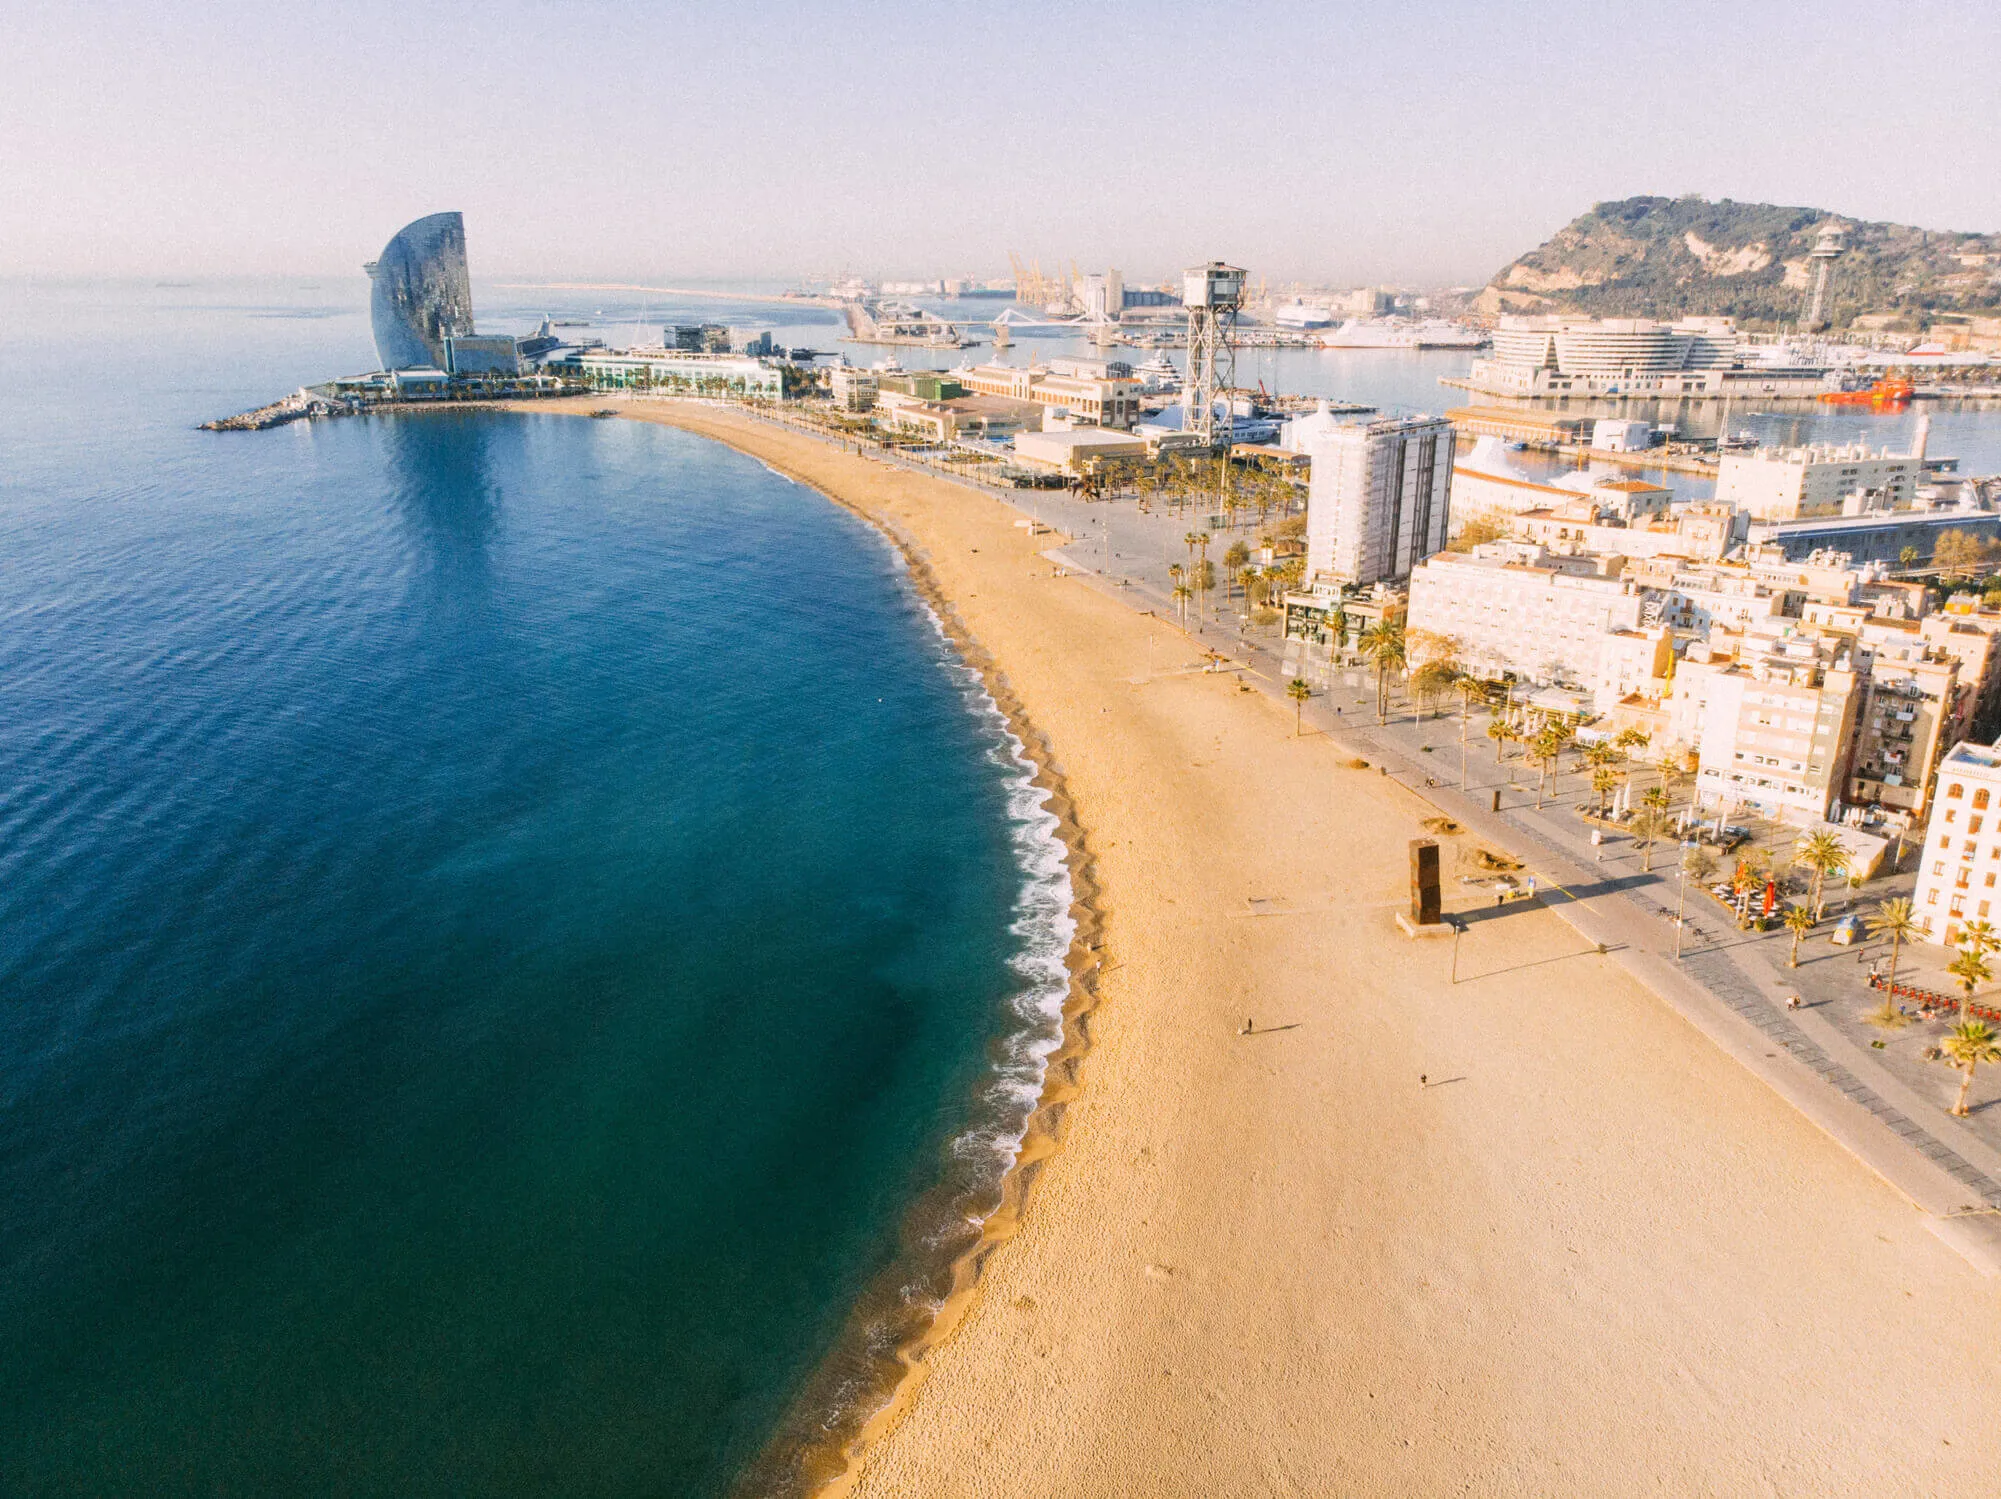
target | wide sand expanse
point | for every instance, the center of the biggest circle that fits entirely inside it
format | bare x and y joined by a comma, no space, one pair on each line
1592,1257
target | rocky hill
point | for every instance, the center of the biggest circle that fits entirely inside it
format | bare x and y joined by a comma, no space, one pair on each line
1672,257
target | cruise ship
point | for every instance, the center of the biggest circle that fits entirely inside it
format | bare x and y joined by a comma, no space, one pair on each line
1297,314
1399,333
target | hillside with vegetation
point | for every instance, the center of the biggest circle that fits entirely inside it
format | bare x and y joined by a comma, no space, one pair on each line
1676,257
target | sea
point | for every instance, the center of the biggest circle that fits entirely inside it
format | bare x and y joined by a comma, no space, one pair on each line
512,929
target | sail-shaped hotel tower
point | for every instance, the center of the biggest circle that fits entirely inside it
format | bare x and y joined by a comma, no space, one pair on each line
422,293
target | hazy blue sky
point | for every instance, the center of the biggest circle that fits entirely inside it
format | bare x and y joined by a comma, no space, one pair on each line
1346,142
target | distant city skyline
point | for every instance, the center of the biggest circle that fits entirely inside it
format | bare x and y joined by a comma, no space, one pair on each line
1421,144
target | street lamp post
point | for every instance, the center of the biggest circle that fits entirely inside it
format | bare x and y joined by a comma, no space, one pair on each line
1681,898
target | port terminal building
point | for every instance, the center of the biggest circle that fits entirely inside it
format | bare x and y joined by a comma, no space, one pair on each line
1544,357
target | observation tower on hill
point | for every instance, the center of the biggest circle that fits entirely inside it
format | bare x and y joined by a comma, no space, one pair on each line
1826,250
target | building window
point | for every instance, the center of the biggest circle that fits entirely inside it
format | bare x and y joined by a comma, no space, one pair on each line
1973,824
1951,813
1931,899
1955,791
1958,905
1980,797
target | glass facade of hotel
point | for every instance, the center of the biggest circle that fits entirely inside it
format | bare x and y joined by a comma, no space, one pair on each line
422,293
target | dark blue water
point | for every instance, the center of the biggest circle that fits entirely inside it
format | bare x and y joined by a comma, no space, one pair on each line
499,919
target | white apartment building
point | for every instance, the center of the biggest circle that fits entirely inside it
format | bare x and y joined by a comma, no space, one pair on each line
1379,498
1513,608
853,389
1772,723
1819,481
1958,869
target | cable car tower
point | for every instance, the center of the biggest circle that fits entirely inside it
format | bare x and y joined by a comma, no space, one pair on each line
1212,293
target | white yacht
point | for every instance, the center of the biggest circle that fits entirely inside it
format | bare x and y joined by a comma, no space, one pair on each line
1160,373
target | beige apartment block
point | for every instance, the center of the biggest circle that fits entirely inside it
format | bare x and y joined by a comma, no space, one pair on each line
1961,860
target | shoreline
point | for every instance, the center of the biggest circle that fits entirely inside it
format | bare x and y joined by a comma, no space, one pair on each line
817,1447
1242,1244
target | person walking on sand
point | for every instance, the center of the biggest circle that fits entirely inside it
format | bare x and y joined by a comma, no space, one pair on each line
1248,1027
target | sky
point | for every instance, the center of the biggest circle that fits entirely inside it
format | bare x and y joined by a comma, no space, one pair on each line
1410,142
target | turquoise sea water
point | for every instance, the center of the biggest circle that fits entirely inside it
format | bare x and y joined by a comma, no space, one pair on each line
500,919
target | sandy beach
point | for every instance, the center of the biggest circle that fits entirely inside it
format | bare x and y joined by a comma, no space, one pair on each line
1590,1255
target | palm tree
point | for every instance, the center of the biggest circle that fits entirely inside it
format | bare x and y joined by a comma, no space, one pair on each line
1298,691
1500,731
1546,748
1971,969
1604,780
1383,646
1979,936
1235,558
1970,1043
1182,594
1655,797
1893,919
1469,687
1822,853
1799,921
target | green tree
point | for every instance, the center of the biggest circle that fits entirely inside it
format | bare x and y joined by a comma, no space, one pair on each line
1893,919
1908,558
1823,854
1968,1044
1799,921
1957,554
1501,732
1298,691
1650,825
1971,969
1434,679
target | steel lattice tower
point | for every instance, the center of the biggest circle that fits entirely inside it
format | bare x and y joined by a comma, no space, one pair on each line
1212,294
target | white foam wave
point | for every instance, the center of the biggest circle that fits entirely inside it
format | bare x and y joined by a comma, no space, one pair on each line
1043,929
